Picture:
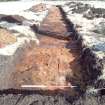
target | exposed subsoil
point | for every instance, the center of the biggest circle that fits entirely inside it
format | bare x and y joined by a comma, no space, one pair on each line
54,60
6,38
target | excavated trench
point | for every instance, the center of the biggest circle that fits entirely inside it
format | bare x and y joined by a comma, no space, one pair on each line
53,63
59,60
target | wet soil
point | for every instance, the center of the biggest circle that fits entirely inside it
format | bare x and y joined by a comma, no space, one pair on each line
53,60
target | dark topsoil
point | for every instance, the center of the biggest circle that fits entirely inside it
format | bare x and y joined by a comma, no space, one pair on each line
43,99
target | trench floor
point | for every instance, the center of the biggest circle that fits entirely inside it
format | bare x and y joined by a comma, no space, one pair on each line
54,60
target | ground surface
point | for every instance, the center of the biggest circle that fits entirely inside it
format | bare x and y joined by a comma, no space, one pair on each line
6,38
38,8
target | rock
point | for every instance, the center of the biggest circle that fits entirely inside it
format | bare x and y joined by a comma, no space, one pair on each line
78,7
88,14
103,15
99,47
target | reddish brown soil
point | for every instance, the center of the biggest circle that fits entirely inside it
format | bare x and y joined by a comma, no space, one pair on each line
51,61
6,38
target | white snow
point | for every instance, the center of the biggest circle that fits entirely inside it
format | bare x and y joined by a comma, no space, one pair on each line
14,7
96,4
33,16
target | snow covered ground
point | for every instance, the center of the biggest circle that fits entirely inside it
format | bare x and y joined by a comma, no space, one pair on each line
90,27
17,6
92,30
